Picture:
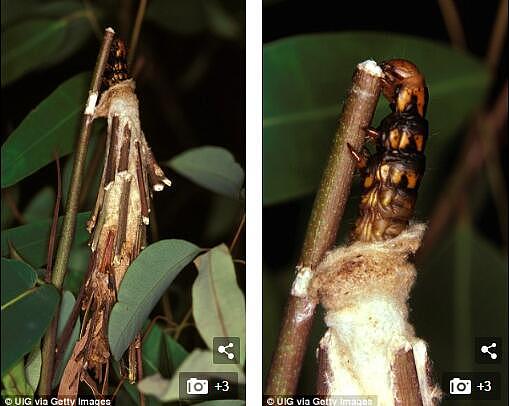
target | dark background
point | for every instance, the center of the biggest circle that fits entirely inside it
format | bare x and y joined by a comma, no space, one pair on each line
284,224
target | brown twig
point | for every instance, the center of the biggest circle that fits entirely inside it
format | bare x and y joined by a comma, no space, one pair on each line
136,30
497,36
321,233
12,205
406,382
69,223
472,156
54,224
183,324
452,23
237,233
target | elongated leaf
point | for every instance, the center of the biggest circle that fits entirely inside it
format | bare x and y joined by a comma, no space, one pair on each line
31,240
219,308
41,206
145,281
15,382
33,367
37,42
161,353
174,351
65,311
213,168
306,79
17,277
24,321
50,128
199,360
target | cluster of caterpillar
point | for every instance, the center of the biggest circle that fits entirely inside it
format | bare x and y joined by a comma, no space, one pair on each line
391,176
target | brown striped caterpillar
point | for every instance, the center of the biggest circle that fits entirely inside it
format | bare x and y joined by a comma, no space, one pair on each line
118,228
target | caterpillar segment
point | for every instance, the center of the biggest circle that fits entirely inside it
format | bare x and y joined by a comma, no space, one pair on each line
391,176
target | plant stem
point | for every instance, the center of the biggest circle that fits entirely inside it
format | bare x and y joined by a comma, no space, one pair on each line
473,154
452,23
136,31
497,36
323,225
406,382
69,222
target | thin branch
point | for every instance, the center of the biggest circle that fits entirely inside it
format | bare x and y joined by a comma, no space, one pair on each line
497,36
406,382
136,31
12,205
183,324
237,234
324,223
452,23
69,223
472,156
54,224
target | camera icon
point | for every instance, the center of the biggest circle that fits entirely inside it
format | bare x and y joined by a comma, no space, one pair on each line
458,386
195,386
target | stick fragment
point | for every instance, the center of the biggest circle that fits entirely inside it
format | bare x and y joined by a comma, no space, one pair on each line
328,210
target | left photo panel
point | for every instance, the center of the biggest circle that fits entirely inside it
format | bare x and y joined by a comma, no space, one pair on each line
123,271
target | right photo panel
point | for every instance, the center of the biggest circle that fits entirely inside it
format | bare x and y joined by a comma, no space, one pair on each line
385,203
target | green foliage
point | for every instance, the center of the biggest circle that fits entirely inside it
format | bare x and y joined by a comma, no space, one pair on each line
50,129
199,360
306,78
218,303
65,312
15,381
41,206
213,168
39,35
31,240
146,279
21,297
33,367
192,17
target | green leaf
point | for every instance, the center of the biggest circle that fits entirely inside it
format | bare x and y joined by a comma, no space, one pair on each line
77,268
198,360
213,168
146,279
65,312
159,351
219,308
306,79
174,351
15,382
31,240
24,321
41,205
41,41
17,277
33,367
50,128
15,11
